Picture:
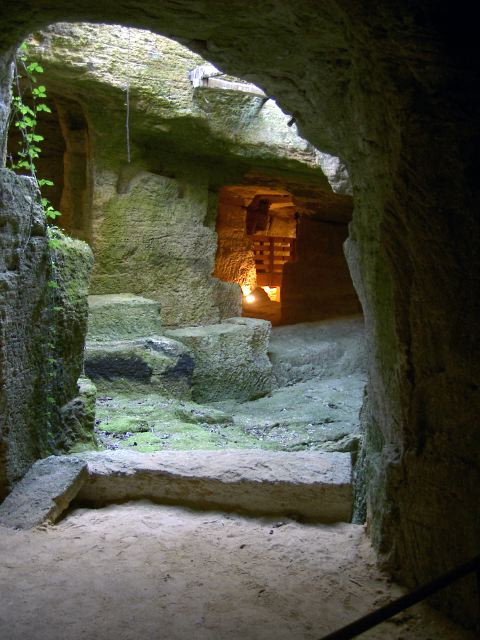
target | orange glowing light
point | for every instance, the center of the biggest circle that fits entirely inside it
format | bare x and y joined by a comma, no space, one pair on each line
272,293
250,298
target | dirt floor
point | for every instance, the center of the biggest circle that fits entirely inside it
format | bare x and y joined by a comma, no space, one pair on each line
141,572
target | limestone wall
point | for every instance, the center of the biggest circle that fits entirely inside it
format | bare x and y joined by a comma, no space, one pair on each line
151,240
392,88
34,331
234,258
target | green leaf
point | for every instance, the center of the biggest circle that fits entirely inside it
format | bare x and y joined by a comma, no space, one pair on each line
44,182
34,66
50,212
29,121
25,109
43,107
52,284
40,91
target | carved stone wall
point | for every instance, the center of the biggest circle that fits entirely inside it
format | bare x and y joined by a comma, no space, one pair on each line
391,88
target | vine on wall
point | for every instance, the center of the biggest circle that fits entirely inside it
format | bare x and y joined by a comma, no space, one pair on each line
28,103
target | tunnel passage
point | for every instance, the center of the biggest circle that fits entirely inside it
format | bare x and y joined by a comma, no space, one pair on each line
285,249
401,128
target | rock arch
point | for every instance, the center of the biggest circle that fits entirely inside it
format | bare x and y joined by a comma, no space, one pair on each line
391,89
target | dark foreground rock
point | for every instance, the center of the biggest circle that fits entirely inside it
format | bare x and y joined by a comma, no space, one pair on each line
44,493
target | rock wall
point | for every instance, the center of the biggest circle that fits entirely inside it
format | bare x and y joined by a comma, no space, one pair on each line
317,284
234,259
392,88
150,237
41,347
152,241
23,285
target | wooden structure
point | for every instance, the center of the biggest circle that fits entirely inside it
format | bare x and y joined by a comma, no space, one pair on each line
271,253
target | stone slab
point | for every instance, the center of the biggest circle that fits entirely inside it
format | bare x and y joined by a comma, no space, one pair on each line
313,485
44,493
122,316
164,364
230,359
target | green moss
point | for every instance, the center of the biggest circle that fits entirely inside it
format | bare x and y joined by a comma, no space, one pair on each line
157,422
125,424
75,259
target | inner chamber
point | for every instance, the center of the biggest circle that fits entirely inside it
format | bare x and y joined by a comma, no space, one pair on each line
284,246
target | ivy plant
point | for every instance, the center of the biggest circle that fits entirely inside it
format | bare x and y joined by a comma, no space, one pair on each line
29,101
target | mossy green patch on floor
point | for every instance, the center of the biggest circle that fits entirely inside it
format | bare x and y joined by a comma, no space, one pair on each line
314,415
154,422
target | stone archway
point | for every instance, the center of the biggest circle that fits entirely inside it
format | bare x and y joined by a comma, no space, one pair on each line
392,91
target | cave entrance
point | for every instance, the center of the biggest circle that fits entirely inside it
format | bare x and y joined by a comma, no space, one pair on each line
178,243
178,361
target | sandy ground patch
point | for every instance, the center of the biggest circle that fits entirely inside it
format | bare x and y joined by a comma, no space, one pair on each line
140,571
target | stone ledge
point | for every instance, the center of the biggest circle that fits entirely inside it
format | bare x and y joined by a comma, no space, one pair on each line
313,485
44,493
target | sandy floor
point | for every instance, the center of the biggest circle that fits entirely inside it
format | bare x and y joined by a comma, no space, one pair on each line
143,572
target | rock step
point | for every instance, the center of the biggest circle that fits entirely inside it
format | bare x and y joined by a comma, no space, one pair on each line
44,492
122,316
312,485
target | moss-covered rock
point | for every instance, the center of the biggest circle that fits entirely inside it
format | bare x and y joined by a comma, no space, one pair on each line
65,316
129,419
122,317
153,242
230,359
78,418
44,319
156,362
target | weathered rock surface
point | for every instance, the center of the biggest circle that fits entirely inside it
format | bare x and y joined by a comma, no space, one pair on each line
312,485
43,328
100,59
392,88
163,364
304,351
122,316
44,493
66,319
78,418
152,241
23,261
230,359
